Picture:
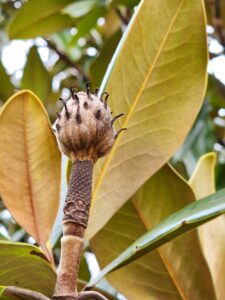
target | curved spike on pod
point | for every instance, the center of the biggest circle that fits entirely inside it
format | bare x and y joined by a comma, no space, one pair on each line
105,93
97,91
73,89
117,134
66,109
105,101
115,118
74,92
88,89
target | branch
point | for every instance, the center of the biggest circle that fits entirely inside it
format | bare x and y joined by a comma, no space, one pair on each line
218,22
90,294
66,59
20,292
121,16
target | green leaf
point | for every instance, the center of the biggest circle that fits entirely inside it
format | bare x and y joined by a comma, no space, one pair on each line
25,266
2,289
79,8
129,3
216,92
39,17
84,273
199,141
35,76
87,23
157,78
29,165
212,234
6,89
99,66
3,237
173,226
159,271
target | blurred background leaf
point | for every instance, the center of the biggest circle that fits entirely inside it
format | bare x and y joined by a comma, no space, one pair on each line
39,17
35,76
6,89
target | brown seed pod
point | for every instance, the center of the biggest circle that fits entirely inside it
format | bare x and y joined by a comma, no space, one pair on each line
84,127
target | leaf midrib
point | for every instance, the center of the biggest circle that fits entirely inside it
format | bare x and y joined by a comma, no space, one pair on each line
135,102
165,263
30,184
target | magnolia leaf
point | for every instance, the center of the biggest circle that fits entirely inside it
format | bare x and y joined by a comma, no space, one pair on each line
25,266
29,165
87,23
157,78
79,8
6,89
39,17
35,76
100,64
169,271
212,234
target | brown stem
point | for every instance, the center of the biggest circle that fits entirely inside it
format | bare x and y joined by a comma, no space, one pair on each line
67,60
90,295
23,293
76,213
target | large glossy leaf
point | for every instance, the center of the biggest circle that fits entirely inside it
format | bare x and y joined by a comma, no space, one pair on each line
212,234
25,266
6,89
158,80
35,76
168,272
29,165
188,218
39,17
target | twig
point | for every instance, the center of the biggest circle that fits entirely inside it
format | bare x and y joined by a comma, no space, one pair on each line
218,22
67,60
20,292
90,294
123,18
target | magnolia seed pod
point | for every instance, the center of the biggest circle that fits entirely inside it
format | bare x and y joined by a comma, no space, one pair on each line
84,128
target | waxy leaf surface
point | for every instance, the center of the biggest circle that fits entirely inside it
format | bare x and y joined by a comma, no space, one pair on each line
35,76
212,234
157,78
29,165
39,17
25,266
168,272
6,89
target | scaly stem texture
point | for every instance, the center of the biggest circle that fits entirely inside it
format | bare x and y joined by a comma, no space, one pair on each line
78,199
76,213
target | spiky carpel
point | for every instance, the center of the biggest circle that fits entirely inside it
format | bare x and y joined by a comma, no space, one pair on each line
84,131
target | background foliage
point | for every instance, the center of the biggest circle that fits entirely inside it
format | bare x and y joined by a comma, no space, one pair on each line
69,42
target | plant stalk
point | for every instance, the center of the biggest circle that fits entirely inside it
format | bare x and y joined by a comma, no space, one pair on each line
76,214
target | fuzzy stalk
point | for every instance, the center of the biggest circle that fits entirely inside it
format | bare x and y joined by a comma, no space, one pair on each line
76,214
